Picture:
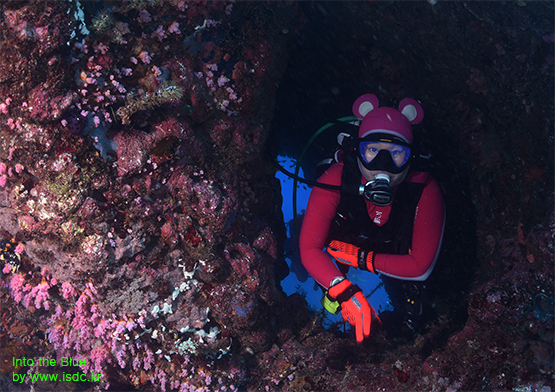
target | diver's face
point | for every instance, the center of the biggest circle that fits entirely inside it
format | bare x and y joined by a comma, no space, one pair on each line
394,179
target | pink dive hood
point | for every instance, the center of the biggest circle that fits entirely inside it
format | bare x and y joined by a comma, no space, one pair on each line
385,119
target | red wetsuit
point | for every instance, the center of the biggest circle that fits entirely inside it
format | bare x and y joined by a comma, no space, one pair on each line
426,238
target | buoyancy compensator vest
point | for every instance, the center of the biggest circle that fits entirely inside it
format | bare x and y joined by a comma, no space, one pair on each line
353,225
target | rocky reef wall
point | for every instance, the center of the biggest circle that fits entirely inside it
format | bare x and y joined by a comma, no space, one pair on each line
139,231
140,219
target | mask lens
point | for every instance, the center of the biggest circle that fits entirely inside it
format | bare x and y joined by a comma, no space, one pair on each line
370,149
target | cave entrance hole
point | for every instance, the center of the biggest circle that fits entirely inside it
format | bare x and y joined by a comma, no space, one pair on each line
328,68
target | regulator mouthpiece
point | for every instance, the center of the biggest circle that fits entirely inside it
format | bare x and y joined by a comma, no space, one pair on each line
378,190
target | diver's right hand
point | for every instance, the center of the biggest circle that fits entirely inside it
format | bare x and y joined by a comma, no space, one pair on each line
355,309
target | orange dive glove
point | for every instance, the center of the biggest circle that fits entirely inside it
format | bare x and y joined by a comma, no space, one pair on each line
352,255
354,307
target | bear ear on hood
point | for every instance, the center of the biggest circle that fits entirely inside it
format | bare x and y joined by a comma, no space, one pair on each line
412,110
365,104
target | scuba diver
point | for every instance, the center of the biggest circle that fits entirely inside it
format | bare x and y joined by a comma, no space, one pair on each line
385,219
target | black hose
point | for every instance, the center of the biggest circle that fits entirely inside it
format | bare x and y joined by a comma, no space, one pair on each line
303,180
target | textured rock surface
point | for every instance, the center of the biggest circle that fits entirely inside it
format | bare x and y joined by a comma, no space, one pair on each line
141,222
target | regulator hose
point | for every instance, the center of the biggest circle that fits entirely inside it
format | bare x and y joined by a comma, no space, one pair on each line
296,177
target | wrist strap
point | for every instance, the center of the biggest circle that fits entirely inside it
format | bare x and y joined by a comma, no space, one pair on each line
345,295
366,260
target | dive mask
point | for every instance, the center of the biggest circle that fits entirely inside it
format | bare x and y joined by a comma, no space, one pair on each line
384,152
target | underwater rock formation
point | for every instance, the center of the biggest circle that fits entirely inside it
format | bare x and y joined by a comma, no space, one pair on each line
135,239
140,219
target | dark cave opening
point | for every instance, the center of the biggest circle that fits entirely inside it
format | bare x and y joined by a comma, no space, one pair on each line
328,68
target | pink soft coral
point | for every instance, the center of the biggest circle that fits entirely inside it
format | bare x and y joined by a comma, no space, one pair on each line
16,287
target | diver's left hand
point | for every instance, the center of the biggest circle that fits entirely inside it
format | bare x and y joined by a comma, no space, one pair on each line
351,255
